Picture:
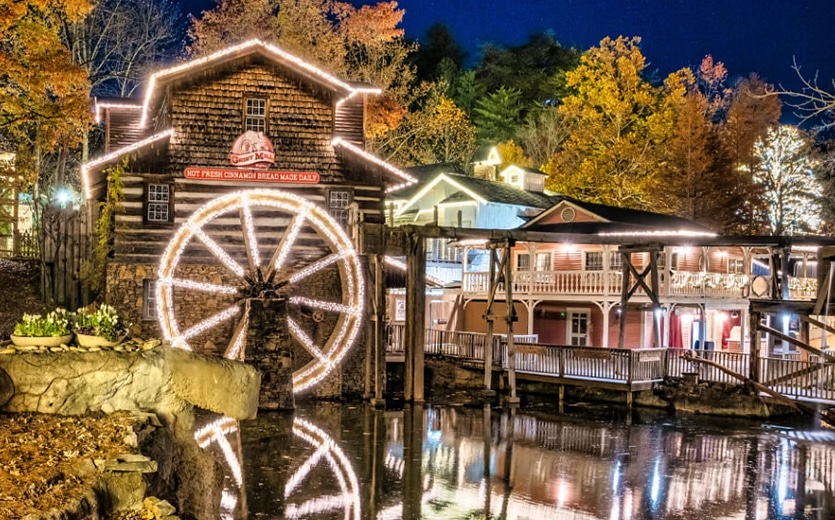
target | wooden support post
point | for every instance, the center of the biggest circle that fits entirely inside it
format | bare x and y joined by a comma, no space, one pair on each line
656,323
629,399
754,357
415,319
511,317
562,398
412,459
380,332
624,297
370,332
488,315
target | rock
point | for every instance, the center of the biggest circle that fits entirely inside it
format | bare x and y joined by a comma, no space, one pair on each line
159,508
7,390
161,380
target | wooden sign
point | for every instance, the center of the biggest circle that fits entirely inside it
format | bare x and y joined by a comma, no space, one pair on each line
251,175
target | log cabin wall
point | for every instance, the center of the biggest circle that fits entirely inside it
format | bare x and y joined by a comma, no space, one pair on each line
206,112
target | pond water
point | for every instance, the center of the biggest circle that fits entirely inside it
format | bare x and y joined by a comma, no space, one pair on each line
352,462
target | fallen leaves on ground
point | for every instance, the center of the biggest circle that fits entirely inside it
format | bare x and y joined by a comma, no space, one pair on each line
40,456
19,283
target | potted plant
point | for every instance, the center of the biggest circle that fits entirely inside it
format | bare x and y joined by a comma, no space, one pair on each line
99,327
51,330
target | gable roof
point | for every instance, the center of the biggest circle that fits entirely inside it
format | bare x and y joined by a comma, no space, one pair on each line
614,220
487,154
269,52
482,190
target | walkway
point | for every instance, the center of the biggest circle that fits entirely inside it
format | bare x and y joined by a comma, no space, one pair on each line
623,369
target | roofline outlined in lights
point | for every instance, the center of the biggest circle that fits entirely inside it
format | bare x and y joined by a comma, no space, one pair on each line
270,48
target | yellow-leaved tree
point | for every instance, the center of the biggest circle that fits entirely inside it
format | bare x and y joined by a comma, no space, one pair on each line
619,123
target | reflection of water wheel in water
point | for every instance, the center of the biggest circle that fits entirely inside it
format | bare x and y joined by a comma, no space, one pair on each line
329,453
294,259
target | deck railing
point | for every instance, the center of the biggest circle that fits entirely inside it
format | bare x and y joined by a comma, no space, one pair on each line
681,284
792,377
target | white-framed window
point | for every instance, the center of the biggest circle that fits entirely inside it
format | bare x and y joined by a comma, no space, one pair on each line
615,261
523,261
158,202
339,205
662,261
149,299
543,262
255,115
594,260
736,265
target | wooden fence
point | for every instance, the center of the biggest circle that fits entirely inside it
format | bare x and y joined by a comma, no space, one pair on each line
65,245
808,380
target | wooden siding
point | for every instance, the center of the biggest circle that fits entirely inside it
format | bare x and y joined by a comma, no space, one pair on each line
349,122
207,117
140,242
473,320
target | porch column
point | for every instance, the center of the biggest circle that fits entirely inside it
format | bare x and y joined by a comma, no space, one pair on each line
607,310
743,331
667,317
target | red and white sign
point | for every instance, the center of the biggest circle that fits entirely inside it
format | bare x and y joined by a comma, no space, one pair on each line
250,175
252,149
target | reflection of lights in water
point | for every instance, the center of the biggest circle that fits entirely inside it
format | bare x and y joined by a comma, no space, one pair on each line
783,471
616,477
216,432
655,486
349,500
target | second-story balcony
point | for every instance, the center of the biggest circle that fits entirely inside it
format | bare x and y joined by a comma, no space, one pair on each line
676,285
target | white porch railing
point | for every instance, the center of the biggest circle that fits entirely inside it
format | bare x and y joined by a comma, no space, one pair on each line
682,284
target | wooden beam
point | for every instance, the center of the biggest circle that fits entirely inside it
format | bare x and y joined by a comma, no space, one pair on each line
762,388
415,329
797,343
819,324
797,373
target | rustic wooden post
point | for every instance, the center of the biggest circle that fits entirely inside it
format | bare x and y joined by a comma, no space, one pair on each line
511,317
488,315
370,332
624,297
754,368
412,455
380,332
656,323
415,318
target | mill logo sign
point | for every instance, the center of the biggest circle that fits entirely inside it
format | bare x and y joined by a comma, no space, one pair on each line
252,149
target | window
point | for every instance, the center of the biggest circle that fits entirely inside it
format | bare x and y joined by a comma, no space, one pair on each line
523,262
158,203
255,115
149,299
594,261
662,261
736,265
615,261
543,261
339,205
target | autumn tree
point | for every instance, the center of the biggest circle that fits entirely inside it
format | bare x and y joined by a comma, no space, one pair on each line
439,132
619,123
231,22
785,168
542,134
512,153
44,96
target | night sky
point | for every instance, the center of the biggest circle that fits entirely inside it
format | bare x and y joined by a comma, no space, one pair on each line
749,36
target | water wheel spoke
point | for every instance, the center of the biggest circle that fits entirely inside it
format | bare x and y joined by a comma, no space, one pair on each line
205,325
218,251
250,241
235,348
323,305
300,474
199,286
302,337
317,266
287,241
315,506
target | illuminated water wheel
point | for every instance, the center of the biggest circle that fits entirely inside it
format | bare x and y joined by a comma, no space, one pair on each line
311,244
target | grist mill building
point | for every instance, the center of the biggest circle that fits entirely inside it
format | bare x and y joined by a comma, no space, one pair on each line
245,180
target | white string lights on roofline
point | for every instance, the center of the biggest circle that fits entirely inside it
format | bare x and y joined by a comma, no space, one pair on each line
329,231
339,142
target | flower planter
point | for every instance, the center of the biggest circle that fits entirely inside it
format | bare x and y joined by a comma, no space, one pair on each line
41,341
86,340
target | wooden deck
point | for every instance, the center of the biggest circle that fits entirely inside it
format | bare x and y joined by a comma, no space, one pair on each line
628,370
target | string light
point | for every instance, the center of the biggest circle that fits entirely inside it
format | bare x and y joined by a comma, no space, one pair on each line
85,168
339,464
272,49
216,250
397,264
120,106
235,351
199,286
305,340
658,233
347,327
325,306
289,239
440,178
249,229
208,323
216,432
339,142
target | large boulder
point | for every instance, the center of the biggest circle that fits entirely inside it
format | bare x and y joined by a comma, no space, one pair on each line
162,380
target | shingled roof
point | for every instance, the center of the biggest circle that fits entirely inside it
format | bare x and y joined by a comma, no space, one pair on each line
611,219
491,191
